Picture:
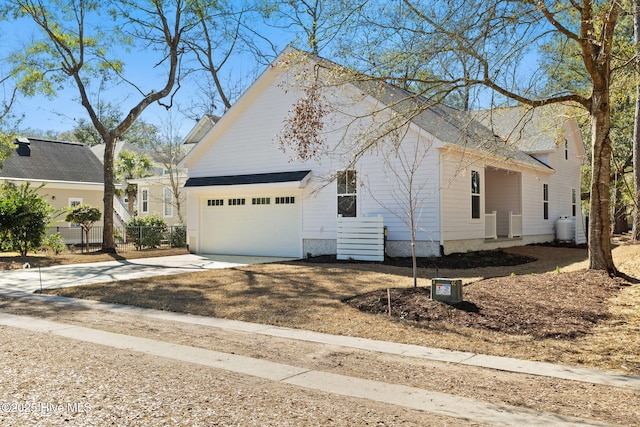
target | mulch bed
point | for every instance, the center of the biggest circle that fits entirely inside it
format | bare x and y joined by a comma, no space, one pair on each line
551,305
478,259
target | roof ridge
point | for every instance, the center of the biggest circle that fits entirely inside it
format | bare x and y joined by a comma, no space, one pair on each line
55,141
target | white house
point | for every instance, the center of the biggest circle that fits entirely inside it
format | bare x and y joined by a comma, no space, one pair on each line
479,181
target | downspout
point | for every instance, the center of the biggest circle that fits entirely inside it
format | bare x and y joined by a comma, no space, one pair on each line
440,199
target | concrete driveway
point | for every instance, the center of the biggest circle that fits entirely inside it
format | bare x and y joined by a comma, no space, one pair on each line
32,279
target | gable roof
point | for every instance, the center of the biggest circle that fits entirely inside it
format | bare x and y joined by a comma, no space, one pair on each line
48,160
532,130
452,126
459,128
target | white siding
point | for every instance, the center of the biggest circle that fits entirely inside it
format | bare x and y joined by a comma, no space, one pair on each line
245,143
533,222
567,178
385,192
456,198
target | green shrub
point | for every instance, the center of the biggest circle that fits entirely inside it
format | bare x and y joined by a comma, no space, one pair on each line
24,217
146,232
54,243
178,237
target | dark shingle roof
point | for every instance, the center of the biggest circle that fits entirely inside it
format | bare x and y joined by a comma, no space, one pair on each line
449,125
47,160
258,178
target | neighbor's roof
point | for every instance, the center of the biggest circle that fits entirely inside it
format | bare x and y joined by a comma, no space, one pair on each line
99,149
48,160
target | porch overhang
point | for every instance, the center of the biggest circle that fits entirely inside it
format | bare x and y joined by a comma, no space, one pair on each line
501,161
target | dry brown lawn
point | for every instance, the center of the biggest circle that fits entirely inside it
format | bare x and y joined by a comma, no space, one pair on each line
312,296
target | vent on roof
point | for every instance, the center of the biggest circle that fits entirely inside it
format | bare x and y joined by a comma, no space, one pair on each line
24,148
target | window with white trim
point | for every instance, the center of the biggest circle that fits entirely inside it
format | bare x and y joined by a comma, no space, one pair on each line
215,202
73,202
475,194
574,202
235,202
144,200
347,187
167,202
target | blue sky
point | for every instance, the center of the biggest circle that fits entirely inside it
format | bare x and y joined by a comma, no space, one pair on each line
61,112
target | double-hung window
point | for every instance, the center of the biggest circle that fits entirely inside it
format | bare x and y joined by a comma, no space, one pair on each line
475,194
74,202
144,200
347,186
168,202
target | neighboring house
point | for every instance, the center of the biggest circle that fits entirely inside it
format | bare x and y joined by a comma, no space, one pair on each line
156,197
202,127
154,192
478,185
70,172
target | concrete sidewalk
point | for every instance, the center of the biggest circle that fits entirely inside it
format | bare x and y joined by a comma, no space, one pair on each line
506,364
467,409
34,278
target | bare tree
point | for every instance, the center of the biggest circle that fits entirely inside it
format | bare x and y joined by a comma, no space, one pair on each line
636,127
74,50
493,39
224,35
167,148
404,162
321,22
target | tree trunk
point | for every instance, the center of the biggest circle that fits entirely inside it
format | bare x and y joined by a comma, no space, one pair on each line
132,192
620,223
600,257
636,127
130,204
108,241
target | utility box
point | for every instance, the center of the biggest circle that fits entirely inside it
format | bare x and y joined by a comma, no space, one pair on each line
446,290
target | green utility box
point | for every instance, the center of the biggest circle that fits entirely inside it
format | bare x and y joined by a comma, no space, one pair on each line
446,290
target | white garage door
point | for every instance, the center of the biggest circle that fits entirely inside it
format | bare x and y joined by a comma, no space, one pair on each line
249,224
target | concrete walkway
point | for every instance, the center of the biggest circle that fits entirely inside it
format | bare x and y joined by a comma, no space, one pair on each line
410,397
19,284
506,364
32,279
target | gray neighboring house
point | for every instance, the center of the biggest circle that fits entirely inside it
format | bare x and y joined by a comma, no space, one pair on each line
71,174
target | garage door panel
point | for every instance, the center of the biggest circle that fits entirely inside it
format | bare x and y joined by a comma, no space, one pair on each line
262,229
